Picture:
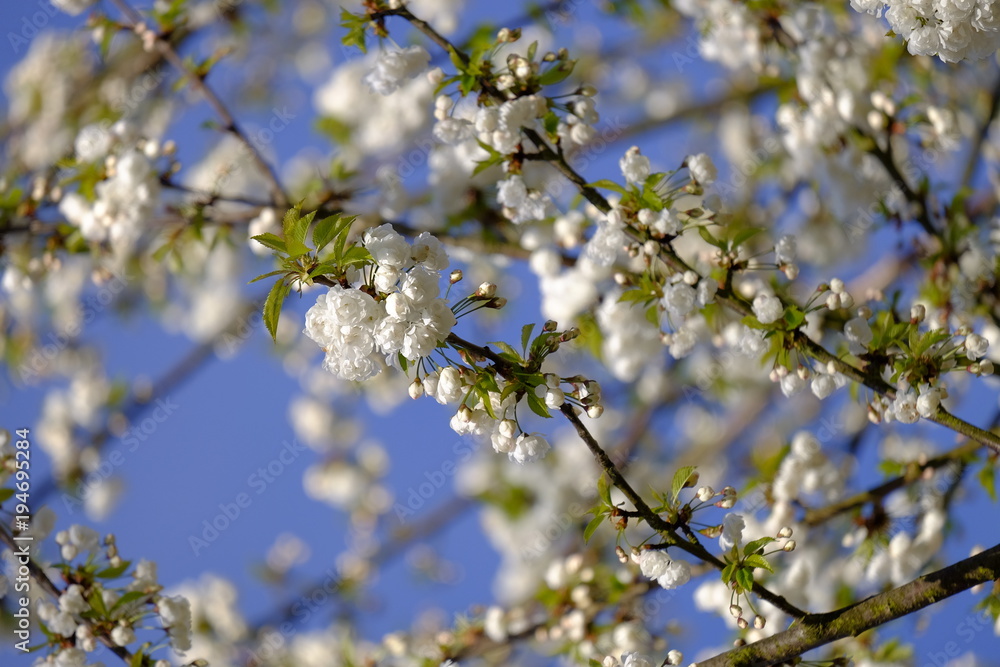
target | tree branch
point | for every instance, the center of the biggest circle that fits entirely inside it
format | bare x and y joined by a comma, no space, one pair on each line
818,629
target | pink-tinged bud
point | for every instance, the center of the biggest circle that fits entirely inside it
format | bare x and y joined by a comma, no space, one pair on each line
742,622
456,275
735,611
759,622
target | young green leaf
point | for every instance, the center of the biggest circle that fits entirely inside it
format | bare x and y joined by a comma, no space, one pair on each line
680,479
759,562
272,307
592,526
272,241
325,231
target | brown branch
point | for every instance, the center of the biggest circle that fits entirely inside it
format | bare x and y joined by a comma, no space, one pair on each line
914,471
819,629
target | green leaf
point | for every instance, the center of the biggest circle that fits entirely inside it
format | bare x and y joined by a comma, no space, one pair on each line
794,317
759,562
325,231
297,248
711,240
532,50
755,545
606,184
269,274
272,241
356,255
680,479
272,307
290,222
557,74
97,604
114,572
526,335
592,526
604,490
537,405
5,494
507,348
987,477
727,572
744,235
744,577
129,597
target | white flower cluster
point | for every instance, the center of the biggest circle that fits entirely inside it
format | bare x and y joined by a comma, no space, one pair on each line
631,342
395,66
953,30
656,564
500,127
520,204
635,166
123,202
702,169
578,127
683,297
806,470
448,386
911,404
357,331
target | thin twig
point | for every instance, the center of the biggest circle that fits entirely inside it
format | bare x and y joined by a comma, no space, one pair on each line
280,200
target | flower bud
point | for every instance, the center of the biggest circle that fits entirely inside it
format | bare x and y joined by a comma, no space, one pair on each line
497,303
735,610
486,291
785,531
759,622
706,493
416,389
789,545
595,411
456,275
742,622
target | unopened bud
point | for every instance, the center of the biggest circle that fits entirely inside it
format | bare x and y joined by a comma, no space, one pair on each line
550,326
789,545
735,610
622,556
742,622
785,531
416,389
486,291
456,275
759,622
497,303
595,411
706,493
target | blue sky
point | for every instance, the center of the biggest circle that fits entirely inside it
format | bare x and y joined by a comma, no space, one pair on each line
228,421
